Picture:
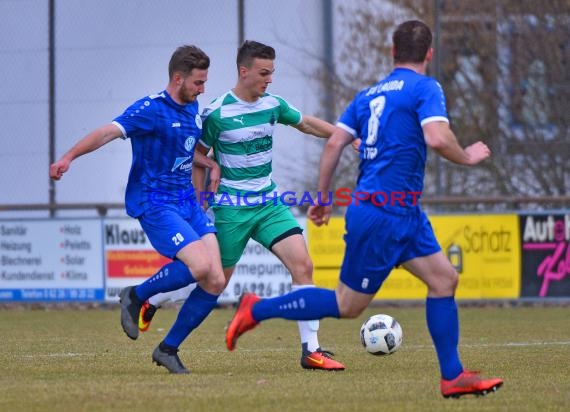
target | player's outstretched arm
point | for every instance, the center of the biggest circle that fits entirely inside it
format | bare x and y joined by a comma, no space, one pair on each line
320,214
89,143
315,126
440,138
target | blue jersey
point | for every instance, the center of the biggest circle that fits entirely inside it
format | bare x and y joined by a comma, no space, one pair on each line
163,136
388,117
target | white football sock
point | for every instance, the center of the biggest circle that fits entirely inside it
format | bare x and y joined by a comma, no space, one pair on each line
308,328
175,296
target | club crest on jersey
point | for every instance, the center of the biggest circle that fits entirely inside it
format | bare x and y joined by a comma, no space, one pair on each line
189,143
198,121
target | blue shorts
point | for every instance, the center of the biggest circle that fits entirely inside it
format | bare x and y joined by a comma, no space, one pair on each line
378,240
170,230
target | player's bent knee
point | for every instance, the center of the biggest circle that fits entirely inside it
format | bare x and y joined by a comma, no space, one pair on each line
303,273
309,268
201,270
350,310
350,313
214,282
445,284
452,280
455,282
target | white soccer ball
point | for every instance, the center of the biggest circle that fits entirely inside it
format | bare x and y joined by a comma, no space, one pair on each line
381,335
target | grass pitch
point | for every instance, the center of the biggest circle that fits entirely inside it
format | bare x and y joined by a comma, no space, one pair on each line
80,360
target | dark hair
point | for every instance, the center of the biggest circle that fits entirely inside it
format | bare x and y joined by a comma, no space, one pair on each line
250,50
412,40
185,59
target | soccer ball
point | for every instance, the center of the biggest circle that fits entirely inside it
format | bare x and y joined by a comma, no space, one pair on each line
381,335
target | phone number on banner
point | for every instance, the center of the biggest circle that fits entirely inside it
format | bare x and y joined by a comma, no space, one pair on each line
59,294
264,289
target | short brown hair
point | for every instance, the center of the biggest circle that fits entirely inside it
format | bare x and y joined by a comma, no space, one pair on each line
187,58
412,40
250,50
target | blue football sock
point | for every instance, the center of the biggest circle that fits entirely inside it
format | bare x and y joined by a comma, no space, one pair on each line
198,305
172,276
302,304
443,325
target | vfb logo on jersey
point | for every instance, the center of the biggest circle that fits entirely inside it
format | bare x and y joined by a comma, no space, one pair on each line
189,143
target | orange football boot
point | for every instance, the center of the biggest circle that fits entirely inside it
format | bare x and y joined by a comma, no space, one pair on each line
242,320
145,316
322,360
469,383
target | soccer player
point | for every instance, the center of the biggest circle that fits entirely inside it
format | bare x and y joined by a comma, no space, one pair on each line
239,127
164,129
397,119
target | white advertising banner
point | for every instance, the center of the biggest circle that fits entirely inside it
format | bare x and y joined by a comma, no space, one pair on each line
51,260
258,271
129,258
93,259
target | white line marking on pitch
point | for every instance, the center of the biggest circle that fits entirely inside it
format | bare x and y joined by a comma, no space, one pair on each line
498,345
468,345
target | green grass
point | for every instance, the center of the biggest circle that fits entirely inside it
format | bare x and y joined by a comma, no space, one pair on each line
80,360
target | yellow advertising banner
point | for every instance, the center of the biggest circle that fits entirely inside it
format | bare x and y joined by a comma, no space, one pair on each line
484,249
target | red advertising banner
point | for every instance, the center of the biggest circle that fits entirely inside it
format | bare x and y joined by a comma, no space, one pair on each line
133,263
129,258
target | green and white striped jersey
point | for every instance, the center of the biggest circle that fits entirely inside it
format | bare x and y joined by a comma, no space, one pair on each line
241,134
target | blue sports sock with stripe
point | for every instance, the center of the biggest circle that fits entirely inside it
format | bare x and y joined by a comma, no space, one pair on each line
302,304
443,325
196,308
172,276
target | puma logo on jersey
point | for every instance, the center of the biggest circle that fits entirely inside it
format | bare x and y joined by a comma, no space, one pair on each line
240,120
176,124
